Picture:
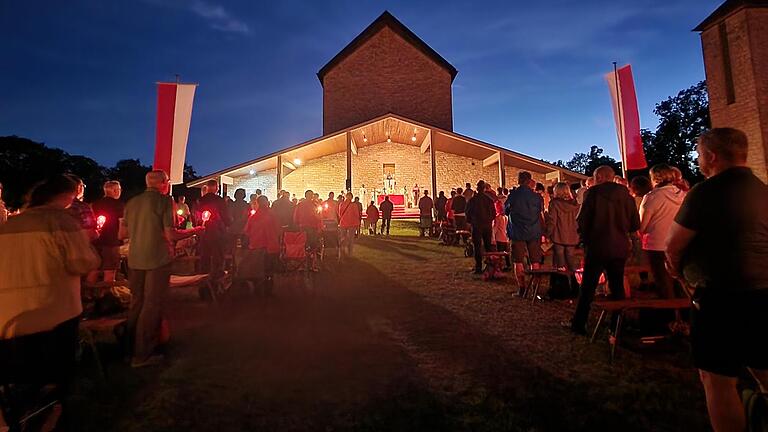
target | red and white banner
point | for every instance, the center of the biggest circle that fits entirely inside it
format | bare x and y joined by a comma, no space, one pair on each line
174,113
627,118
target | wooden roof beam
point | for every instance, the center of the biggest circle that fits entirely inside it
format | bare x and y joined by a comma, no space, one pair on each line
427,141
491,160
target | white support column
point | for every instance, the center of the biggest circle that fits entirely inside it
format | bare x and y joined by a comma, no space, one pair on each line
432,163
348,185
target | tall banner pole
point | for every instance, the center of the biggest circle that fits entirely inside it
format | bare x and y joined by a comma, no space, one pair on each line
621,122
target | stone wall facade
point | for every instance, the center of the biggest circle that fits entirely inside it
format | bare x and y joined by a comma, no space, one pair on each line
265,180
386,75
747,39
411,167
328,173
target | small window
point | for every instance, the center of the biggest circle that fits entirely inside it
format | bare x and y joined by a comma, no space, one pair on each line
389,169
725,53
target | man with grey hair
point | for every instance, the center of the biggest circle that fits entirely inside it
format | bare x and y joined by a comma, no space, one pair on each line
108,210
605,221
149,225
718,244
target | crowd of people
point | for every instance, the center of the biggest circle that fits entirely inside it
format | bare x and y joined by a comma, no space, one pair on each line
709,242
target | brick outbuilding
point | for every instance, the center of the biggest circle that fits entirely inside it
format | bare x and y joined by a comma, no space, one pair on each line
734,40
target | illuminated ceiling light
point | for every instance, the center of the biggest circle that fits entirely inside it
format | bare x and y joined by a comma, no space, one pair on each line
413,138
252,172
297,161
365,138
389,140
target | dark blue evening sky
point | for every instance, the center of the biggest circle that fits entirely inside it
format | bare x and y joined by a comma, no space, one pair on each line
80,74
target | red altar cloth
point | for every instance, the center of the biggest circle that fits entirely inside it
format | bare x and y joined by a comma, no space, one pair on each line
398,200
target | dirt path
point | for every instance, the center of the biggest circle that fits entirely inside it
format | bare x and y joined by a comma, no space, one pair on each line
392,341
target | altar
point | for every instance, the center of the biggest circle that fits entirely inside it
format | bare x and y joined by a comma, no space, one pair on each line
397,199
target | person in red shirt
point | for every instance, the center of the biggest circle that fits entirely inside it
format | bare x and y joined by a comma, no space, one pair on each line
449,207
262,231
349,222
307,217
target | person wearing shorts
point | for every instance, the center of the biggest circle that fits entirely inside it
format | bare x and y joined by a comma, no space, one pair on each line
524,209
718,244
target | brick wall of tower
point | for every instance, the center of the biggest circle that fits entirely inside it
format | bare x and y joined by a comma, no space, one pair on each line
386,74
747,32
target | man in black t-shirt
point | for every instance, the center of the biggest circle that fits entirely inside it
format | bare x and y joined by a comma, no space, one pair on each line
386,208
459,207
719,245
108,211
214,241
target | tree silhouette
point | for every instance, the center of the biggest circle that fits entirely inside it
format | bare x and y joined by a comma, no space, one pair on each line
586,163
682,119
24,162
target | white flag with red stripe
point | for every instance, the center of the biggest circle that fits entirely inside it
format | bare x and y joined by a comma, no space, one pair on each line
174,114
627,117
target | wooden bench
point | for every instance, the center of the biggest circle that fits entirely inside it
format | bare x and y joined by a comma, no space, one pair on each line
537,275
621,306
206,286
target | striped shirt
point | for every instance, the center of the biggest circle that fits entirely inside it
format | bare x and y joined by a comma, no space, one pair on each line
43,253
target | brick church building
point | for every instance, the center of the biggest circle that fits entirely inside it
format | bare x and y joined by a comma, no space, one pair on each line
387,127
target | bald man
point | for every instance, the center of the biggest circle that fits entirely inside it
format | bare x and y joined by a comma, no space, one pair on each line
149,224
607,217
718,244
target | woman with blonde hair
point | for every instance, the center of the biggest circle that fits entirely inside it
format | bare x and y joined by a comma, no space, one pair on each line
657,212
561,226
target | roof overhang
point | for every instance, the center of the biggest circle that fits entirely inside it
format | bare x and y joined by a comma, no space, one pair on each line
397,129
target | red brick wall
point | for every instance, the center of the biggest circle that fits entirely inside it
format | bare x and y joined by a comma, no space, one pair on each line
748,46
386,74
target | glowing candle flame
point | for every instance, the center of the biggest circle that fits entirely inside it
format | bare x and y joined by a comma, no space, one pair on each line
100,221
206,216
253,212
180,212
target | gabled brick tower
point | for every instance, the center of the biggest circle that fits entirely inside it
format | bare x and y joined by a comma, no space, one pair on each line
735,44
386,69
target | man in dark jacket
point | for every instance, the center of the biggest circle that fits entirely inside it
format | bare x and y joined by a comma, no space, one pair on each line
214,242
386,208
524,207
440,207
480,214
607,217
282,208
459,207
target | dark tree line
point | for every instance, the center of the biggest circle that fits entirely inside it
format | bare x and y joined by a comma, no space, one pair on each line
24,162
682,118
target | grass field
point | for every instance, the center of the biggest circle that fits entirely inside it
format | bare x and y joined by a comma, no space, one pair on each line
401,337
